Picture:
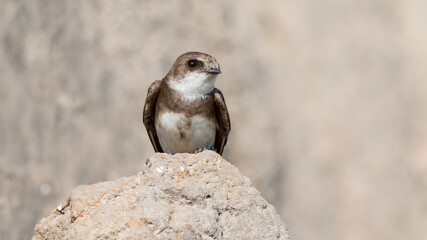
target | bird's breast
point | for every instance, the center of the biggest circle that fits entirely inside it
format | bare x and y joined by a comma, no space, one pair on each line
180,133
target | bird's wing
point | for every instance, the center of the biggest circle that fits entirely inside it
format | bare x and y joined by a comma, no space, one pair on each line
224,125
149,113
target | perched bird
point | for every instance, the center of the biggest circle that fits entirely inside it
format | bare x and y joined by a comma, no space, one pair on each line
184,112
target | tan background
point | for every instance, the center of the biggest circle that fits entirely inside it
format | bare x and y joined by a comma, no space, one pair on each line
327,98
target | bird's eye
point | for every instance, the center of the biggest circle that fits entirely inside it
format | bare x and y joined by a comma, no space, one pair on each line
192,63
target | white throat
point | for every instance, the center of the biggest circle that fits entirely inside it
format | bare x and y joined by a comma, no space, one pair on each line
194,85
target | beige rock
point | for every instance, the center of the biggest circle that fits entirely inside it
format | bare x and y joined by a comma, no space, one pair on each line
183,196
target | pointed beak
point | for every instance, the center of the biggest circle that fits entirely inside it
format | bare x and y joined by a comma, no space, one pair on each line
214,71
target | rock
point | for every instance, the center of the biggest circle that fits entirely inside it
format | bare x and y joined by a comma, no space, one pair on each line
182,196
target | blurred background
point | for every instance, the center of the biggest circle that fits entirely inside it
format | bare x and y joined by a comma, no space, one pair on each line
327,99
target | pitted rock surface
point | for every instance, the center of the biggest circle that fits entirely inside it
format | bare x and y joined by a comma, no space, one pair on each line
182,196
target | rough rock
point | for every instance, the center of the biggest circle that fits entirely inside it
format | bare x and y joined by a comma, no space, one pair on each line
182,196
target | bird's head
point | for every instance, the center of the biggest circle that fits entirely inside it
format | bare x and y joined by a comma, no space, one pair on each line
193,74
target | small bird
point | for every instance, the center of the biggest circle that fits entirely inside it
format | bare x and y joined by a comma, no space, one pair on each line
184,112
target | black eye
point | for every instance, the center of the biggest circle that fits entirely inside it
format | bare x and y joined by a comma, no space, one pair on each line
192,63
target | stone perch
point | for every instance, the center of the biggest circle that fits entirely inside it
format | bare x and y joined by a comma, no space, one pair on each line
181,196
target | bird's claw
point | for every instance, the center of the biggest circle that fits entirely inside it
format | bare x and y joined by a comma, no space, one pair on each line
201,149
148,163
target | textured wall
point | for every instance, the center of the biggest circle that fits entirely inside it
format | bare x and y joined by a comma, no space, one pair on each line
327,98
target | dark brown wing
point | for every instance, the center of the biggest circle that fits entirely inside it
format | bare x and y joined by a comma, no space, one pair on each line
149,114
224,125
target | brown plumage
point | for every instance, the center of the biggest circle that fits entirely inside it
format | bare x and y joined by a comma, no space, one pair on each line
183,112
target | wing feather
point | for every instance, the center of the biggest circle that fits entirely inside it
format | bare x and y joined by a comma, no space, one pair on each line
149,114
223,118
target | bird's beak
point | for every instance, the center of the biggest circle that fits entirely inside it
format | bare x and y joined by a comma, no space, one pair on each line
214,71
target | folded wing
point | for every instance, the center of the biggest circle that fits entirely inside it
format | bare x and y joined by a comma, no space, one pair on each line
224,125
149,113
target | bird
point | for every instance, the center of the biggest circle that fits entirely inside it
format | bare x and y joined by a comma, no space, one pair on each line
184,112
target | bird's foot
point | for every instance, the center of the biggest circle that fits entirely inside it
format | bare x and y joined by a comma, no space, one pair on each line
201,149
148,163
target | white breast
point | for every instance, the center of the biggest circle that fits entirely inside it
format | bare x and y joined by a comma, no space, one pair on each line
177,133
